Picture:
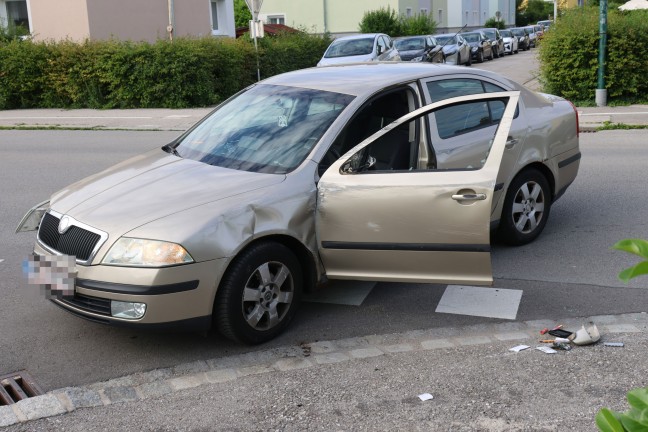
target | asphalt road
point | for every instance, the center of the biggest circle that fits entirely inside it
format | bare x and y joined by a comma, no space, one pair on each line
568,272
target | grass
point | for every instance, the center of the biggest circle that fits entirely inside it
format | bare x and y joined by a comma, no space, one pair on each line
619,126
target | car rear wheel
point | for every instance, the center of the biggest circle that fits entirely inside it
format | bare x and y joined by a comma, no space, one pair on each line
259,294
480,57
469,62
526,208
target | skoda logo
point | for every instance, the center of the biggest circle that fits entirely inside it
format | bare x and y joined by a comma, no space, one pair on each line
64,224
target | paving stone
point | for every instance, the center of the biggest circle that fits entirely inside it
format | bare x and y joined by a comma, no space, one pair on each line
323,347
81,397
188,381
603,319
7,416
398,348
292,363
120,394
328,358
436,343
220,375
622,328
153,389
365,352
254,370
191,368
41,406
351,342
513,335
152,376
126,381
473,340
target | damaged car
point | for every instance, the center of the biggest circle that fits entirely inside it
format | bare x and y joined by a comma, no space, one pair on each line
376,171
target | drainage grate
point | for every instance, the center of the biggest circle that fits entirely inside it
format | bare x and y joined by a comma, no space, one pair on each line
17,386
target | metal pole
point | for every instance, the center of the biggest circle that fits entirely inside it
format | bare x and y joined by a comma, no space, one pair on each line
601,91
555,11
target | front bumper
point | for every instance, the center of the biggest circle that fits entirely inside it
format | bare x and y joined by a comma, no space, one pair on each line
178,296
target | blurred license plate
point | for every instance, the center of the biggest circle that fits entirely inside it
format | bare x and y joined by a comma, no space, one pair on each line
54,274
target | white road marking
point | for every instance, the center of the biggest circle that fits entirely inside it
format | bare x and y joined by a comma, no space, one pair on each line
484,302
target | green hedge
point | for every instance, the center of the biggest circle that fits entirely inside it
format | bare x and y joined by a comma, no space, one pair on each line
116,74
569,56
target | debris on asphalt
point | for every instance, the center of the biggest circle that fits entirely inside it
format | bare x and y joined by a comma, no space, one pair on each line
546,350
546,330
586,335
425,397
613,344
519,348
562,346
560,333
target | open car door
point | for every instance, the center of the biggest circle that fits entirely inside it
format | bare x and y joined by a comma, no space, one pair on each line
414,225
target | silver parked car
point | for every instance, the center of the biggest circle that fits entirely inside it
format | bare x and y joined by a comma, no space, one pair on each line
360,48
376,171
456,49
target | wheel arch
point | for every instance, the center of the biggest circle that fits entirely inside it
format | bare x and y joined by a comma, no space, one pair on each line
546,172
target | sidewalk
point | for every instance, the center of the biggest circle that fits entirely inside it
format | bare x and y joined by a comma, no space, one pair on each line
179,120
369,383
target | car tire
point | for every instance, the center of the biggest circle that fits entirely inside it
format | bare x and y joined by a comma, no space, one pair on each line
491,55
480,57
469,62
259,294
495,53
526,208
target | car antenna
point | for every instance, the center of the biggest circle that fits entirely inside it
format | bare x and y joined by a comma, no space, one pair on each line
465,25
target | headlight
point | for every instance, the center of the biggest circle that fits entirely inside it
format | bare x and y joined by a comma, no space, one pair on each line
417,59
474,49
146,253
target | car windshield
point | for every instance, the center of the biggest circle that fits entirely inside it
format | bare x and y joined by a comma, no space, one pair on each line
350,47
471,37
267,128
518,32
410,44
490,34
446,40
505,33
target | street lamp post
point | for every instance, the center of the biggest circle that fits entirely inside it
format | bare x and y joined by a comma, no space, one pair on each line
255,8
601,91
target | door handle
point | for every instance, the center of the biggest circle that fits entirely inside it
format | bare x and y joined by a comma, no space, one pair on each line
469,197
510,143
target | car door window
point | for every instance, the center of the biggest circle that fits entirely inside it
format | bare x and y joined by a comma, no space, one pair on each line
382,45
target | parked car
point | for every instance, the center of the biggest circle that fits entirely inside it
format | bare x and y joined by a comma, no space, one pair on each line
496,41
455,48
533,36
419,49
511,44
523,38
375,171
546,24
539,30
360,48
480,45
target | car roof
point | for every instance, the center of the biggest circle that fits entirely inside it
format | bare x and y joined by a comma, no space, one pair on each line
359,36
364,79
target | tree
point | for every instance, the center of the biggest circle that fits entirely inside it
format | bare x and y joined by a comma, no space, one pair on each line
419,24
242,15
493,22
381,21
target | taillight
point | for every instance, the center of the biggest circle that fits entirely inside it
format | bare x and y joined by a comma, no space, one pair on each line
577,122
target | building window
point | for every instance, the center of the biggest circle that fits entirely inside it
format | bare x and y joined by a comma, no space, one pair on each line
408,12
440,16
424,11
17,13
276,19
214,14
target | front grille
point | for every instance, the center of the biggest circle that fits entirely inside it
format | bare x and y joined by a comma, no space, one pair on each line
76,241
95,305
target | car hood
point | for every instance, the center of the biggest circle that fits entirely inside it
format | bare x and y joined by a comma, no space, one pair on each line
410,54
473,44
149,187
349,59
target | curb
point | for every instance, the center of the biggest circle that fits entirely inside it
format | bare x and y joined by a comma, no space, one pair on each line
160,382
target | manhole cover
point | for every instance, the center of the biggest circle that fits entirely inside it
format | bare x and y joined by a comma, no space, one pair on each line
17,386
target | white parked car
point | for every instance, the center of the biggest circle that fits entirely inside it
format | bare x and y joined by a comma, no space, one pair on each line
360,48
511,43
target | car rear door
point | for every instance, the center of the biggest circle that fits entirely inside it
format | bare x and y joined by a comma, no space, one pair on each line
416,225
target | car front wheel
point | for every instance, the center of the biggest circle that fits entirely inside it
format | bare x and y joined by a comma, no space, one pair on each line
526,208
259,294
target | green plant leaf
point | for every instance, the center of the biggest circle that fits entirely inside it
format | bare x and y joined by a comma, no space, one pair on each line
632,424
634,246
607,421
638,398
634,271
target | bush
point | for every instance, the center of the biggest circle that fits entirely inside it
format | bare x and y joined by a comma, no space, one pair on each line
419,24
495,23
116,74
569,55
381,21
